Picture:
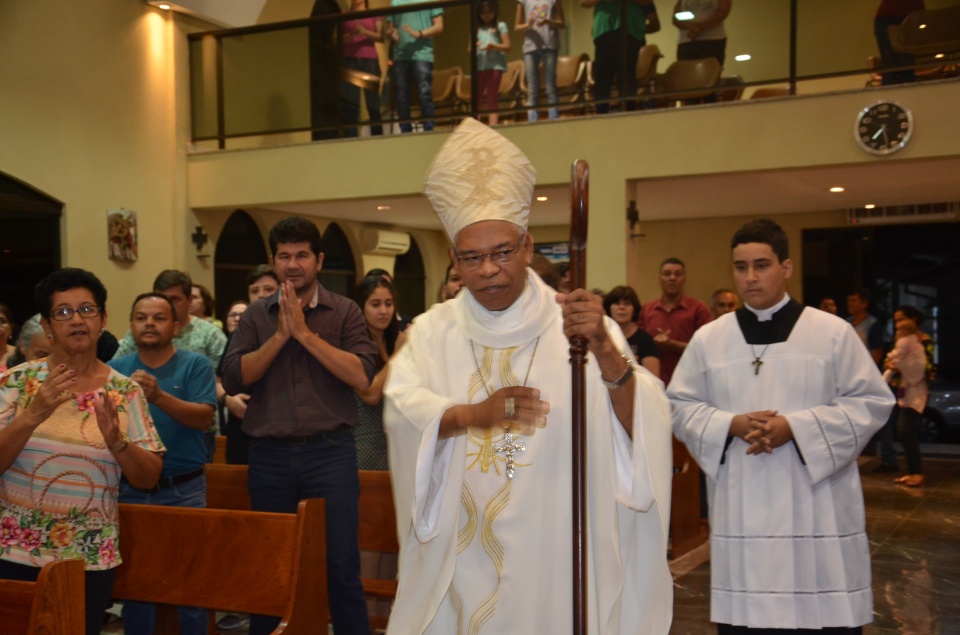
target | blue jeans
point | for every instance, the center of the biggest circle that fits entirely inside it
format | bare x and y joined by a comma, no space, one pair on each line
421,74
139,618
531,64
282,473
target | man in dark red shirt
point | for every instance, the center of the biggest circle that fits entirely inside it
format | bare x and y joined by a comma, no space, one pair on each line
672,318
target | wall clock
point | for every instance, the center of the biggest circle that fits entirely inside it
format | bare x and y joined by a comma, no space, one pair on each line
883,128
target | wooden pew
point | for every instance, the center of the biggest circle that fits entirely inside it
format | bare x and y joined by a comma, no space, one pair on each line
239,561
227,489
53,605
220,449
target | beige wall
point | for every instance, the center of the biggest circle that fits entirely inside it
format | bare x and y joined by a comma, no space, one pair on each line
743,137
93,113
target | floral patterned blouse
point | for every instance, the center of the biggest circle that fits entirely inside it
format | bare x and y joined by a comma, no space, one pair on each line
59,497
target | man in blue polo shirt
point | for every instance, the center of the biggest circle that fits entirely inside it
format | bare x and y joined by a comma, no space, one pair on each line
182,390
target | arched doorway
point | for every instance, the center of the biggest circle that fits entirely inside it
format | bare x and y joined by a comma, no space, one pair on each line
29,243
339,271
239,249
409,279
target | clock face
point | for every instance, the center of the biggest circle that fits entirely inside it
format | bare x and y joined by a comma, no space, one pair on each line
883,128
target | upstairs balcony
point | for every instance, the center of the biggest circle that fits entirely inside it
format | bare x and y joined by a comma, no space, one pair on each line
291,82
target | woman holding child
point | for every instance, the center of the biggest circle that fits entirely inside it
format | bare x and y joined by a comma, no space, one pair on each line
909,368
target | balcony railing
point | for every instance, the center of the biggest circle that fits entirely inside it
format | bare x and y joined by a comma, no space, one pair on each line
292,81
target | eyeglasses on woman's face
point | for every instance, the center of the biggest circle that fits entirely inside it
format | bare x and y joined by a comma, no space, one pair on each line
64,313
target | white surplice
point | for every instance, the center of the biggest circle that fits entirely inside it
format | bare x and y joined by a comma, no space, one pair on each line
481,553
788,547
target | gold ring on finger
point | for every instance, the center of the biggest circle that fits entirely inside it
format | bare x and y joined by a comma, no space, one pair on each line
509,407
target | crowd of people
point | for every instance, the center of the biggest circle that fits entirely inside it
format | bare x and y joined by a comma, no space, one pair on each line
701,34
468,407
411,37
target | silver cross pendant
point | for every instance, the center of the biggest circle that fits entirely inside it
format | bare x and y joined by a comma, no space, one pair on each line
508,446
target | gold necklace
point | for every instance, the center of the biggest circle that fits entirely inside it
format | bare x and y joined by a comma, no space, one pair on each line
509,445
757,363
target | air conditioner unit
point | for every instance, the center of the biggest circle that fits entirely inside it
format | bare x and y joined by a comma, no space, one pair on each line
899,214
383,242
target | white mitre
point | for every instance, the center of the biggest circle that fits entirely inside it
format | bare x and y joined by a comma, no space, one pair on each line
479,175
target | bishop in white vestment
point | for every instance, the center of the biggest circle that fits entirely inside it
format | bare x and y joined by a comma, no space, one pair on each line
775,402
478,418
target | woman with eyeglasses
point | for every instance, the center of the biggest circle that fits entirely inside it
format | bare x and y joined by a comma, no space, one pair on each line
70,426
7,327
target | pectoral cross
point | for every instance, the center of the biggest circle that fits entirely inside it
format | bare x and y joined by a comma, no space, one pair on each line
508,446
757,363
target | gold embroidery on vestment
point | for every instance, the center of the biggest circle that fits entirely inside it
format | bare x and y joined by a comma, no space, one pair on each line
484,439
478,173
469,530
494,550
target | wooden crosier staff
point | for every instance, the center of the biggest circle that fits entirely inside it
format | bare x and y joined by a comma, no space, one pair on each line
579,187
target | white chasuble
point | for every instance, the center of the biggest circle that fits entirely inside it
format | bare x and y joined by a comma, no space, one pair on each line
482,553
788,546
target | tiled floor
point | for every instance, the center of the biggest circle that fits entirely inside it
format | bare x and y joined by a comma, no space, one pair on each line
915,546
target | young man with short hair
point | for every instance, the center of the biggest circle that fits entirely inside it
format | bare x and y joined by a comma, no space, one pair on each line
775,404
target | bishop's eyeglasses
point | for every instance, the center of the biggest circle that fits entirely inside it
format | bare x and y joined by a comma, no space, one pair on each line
473,259
64,313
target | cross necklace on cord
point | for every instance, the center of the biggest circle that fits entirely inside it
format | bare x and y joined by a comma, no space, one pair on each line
509,445
757,362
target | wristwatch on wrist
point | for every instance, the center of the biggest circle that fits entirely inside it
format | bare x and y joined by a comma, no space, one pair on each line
622,379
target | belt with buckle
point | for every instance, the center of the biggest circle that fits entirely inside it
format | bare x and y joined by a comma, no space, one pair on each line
339,431
170,481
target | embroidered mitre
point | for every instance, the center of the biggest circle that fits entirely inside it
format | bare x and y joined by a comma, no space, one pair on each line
479,175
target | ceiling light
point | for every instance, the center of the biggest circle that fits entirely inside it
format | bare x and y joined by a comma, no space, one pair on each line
922,26
869,206
383,208
742,58
938,56
836,189
164,6
541,198
683,15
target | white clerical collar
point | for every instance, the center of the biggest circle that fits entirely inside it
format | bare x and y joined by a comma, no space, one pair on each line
518,324
765,314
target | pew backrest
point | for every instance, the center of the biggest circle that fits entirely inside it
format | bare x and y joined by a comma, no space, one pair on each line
227,489
53,605
240,561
